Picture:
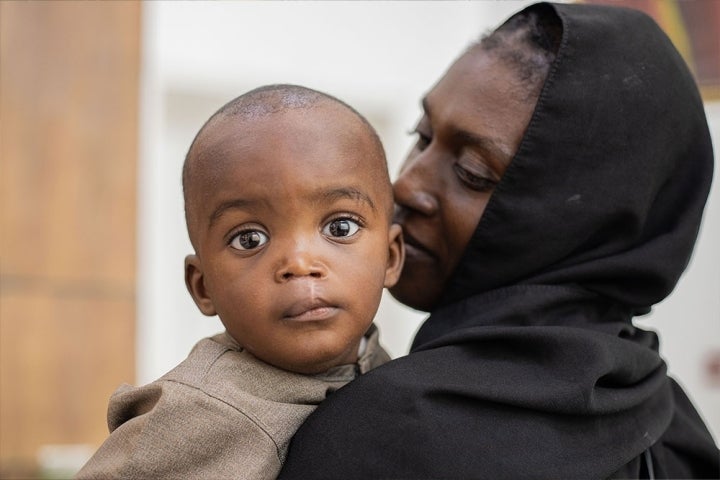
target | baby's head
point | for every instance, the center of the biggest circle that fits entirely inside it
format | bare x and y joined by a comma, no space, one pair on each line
289,209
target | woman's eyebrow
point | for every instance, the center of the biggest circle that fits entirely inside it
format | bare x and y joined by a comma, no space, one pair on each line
426,107
487,144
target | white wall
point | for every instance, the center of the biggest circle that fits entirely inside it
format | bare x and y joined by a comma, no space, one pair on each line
378,56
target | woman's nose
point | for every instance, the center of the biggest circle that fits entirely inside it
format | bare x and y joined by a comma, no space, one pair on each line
299,260
414,186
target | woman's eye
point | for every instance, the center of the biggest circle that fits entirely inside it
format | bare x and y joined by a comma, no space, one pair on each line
341,227
422,141
474,182
248,240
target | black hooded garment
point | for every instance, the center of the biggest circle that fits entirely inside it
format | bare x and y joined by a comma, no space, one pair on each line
531,367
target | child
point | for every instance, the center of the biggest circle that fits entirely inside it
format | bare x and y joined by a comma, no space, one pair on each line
288,206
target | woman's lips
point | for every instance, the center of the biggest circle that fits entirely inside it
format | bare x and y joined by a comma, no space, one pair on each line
413,248
310,310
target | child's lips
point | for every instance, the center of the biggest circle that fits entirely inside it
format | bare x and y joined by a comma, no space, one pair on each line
309,310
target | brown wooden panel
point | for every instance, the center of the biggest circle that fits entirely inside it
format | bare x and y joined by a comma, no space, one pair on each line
68,97
68,153
62,358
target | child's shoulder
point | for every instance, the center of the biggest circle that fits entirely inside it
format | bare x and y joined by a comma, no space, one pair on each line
211,360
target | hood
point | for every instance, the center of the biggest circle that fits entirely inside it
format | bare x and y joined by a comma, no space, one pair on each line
609,183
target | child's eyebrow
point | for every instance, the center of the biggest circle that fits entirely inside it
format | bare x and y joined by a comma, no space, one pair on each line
322,197
335,194
230,204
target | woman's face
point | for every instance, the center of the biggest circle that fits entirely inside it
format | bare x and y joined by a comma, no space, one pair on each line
473,121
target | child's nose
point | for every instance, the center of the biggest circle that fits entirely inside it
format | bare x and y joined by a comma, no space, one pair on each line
299,260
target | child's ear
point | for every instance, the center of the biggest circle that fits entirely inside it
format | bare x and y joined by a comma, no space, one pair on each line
396,255
195,282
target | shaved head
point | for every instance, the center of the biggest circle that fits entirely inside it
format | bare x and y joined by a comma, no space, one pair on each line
254,107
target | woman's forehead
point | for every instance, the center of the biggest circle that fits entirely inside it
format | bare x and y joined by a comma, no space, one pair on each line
476,103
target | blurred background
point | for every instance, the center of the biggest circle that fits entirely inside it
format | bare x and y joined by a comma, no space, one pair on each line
99,102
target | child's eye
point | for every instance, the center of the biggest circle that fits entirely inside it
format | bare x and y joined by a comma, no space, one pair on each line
341,227
248,240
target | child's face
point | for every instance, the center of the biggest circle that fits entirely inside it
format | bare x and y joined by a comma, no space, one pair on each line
293,236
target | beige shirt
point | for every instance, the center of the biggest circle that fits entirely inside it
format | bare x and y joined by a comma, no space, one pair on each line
221,413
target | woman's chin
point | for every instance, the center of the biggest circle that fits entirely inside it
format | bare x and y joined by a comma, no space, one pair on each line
413,295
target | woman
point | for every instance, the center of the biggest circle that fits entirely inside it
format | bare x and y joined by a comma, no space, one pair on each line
577,133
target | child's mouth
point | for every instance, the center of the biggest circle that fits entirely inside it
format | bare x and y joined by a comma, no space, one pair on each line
314,309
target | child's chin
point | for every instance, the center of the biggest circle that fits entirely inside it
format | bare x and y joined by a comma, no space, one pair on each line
314,364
